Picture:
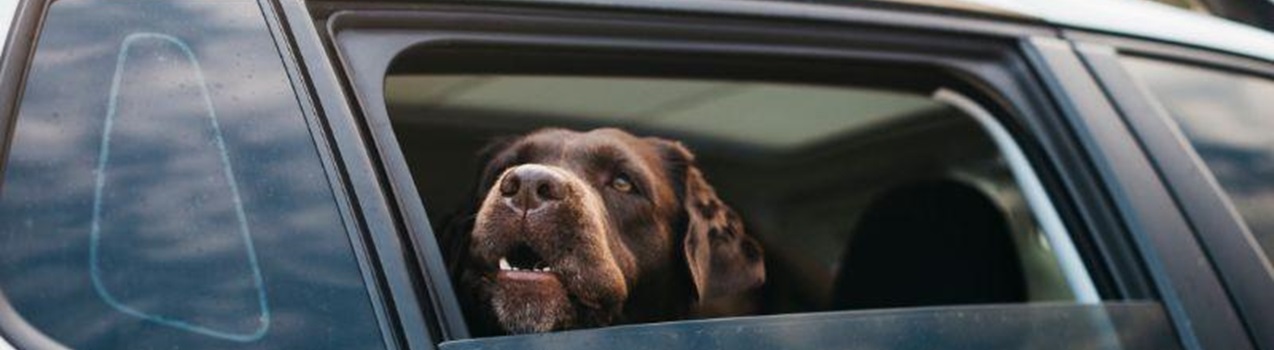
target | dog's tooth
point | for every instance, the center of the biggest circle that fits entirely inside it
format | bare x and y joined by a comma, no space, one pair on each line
504,264
547,269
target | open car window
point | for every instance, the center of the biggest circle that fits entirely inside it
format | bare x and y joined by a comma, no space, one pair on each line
890,199
864,198
813,170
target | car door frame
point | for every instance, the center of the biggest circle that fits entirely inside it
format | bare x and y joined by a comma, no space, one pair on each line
1082,168
394,261
1241,265
18,48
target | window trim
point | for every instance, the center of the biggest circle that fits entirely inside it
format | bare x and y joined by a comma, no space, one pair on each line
901,328
386,31
19,45
351,221
381,252
15,330
1218,226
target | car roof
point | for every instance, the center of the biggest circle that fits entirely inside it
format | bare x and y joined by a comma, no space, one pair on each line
1139,18
1133,18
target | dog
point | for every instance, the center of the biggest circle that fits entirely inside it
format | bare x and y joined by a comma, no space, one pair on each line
574,229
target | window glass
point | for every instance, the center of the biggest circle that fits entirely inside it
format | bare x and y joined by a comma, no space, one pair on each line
1118,325
162,188
1229,119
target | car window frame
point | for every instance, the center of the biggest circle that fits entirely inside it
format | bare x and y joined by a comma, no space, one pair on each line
19,45
1125,278
394,260
356,229
1216,223
955,327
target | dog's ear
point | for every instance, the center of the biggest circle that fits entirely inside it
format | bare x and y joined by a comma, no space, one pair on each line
454,235
723,260
491,160
454,240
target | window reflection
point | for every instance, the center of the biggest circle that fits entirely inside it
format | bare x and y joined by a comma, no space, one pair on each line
163,190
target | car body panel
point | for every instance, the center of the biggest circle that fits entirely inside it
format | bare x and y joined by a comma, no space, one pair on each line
1145,19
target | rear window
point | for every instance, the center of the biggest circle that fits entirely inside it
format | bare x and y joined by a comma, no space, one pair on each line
1229,119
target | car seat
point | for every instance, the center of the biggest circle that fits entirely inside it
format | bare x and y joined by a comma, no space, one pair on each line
932,243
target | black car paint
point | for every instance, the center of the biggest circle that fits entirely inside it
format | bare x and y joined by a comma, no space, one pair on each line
406,259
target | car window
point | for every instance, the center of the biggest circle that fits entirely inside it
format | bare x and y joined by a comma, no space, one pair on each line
874,203
833,170
864,199
163,189
571,169
1229,120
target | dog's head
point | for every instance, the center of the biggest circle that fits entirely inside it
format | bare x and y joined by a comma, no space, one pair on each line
583,229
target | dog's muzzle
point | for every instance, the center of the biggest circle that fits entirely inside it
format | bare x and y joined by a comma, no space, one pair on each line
542,235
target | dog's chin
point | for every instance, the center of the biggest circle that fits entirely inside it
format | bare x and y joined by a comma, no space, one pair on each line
530,302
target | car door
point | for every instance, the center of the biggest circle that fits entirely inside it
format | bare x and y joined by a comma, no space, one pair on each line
1124,267
1199,115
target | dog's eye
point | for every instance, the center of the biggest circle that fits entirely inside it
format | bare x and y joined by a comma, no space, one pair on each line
621,183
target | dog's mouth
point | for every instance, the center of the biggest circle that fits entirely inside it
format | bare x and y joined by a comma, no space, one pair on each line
547,268
522,262
527,293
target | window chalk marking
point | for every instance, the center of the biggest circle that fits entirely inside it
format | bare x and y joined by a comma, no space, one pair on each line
103,162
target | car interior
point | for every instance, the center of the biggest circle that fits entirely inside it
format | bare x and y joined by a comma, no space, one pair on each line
864,196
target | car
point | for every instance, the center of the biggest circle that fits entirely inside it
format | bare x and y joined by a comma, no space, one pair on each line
921,173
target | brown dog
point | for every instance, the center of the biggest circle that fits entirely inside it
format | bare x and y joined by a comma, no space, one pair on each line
585,229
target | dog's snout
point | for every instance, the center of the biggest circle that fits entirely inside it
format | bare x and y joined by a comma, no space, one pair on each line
532,186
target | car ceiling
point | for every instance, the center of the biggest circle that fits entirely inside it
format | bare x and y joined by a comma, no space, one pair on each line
767,116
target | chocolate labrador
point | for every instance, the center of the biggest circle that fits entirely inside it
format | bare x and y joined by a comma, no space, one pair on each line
584,229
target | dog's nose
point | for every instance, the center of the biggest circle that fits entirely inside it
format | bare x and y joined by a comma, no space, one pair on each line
531,186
